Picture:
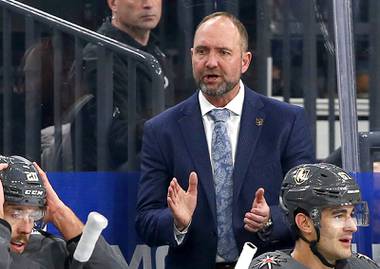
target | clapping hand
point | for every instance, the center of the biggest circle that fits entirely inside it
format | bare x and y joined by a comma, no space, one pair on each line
183,203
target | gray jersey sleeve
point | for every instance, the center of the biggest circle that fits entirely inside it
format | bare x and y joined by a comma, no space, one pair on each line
360,261
5,238
103,256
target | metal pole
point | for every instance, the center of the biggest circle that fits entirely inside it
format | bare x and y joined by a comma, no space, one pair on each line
7,90
58,69
263,35
286,52
33,98
309,67
331,84
346,84
374,83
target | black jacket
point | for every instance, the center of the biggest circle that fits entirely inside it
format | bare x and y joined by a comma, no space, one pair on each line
118,130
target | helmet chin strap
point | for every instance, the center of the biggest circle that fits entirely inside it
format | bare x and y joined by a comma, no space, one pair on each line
314,248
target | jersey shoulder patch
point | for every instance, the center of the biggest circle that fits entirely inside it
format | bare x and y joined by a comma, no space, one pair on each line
271,260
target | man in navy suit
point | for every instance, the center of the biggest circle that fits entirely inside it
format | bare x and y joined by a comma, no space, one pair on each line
177,201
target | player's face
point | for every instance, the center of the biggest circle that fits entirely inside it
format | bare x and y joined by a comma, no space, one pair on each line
21,219
337,227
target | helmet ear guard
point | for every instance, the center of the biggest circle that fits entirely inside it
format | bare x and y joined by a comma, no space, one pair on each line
315,215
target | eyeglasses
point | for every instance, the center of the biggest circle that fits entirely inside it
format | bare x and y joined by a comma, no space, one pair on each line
33,215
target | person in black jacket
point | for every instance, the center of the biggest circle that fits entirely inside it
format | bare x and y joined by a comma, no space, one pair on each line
27,201
131,24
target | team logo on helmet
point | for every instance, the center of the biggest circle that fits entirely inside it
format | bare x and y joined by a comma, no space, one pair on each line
32,177
301,175
344,176
268,261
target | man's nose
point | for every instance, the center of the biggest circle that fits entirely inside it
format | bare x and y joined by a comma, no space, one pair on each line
26,225
351,224
212,60
147,3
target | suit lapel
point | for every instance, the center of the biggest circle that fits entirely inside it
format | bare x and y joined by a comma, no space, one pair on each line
192,129
251,122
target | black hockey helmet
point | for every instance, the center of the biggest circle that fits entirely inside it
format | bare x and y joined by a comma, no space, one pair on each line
312,187
22,183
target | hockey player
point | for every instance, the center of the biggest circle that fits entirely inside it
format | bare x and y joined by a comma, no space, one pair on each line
324,207
27,200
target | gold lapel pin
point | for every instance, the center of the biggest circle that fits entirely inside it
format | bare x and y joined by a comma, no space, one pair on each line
259,121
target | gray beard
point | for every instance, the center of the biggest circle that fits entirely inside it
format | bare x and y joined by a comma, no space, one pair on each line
220,91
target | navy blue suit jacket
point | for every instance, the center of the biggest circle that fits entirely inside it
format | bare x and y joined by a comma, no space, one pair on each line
274,137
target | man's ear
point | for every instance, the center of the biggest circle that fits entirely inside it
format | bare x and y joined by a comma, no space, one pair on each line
245,61
304,223
112,5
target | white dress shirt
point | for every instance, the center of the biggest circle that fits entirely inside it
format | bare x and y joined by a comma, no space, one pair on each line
235,106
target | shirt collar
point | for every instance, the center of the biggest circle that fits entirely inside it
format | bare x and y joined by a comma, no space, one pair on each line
235,105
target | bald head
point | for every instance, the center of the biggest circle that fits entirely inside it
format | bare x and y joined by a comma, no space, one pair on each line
243,35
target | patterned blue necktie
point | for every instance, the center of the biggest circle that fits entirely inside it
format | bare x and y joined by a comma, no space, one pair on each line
221,154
